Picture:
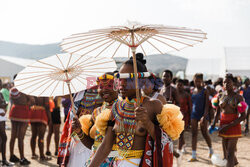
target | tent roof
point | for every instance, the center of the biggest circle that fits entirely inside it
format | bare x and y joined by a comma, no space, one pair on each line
18,61
205,66
237,58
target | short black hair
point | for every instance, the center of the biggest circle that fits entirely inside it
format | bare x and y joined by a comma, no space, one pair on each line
235,80
5,85
192,83
170,72
175,80
219,81
186,82
246,80
198,75
208,82
230,76
180,81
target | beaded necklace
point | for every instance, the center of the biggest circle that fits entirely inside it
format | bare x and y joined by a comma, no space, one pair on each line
90,101
123,111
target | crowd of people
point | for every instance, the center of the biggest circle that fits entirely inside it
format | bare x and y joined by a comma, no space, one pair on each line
117,129
23,111
122,142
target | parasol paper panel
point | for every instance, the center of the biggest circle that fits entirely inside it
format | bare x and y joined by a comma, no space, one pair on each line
148,39
49,76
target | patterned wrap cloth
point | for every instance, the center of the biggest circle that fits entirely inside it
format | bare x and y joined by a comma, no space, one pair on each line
38,114
86,105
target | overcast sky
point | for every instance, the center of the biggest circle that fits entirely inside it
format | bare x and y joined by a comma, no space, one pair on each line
227,22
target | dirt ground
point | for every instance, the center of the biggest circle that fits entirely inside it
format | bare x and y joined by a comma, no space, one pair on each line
243,148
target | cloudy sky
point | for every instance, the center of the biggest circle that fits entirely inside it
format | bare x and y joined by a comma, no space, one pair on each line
227,22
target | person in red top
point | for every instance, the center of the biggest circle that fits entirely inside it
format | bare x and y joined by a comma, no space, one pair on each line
186,107
40,117
20,117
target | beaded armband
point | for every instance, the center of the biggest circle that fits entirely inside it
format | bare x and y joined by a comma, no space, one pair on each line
81,135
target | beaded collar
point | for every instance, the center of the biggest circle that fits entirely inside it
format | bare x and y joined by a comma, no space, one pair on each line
123,111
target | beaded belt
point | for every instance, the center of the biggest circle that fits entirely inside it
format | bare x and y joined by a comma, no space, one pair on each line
129,154
35,107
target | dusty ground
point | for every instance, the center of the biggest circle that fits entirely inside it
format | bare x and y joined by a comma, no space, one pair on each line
243,153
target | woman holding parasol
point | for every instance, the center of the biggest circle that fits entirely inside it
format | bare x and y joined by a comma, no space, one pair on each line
133,127
85,127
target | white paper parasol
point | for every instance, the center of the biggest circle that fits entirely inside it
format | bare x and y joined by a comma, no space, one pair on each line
62,74
124,41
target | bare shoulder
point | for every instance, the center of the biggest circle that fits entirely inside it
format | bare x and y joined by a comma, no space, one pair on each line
155,105
162,99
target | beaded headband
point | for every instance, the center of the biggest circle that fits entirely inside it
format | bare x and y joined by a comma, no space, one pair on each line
132,75
104,77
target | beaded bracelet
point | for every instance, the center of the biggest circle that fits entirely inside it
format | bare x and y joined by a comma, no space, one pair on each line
81,136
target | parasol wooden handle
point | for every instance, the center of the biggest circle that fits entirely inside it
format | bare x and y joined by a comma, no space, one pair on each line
70,93
133,49
71,99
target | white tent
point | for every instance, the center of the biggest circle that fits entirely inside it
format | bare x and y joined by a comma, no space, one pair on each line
207,58
211,68
9,66
237,60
